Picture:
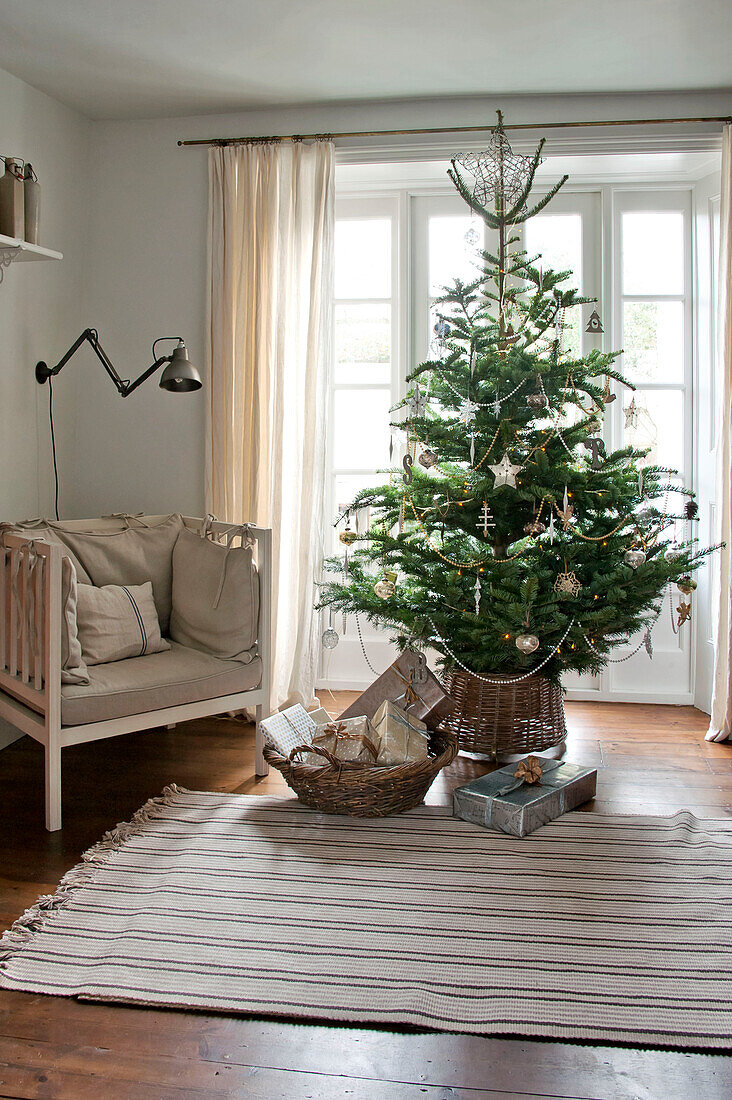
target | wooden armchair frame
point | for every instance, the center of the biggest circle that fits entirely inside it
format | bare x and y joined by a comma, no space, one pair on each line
30,650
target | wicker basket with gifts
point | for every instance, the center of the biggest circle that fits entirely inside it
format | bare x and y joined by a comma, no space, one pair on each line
358,766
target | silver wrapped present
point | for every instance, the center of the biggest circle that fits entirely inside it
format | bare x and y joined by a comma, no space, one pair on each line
504,799
402,737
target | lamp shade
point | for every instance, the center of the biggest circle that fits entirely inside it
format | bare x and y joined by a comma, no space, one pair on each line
180,376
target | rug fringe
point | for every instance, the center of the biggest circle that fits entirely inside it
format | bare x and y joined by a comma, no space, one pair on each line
22,931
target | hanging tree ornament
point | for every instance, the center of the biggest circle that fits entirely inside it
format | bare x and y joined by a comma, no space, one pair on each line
427,458
640,483
607,394
550,529
472,448
686,585
631,414
418,403
634,558
472,237
648,643
691,509
683,612
566,514
538,400
467,411
597,446
485,519
567,584
477,595
348,536
594,324
505,472
527,643
330,637
386,587
407,463
534,527
442,328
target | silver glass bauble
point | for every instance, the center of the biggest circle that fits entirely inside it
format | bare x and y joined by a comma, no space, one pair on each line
537,401
634,558
687,585
330,638
527,643
384,589
427,458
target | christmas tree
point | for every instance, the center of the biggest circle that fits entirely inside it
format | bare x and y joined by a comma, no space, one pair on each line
509,540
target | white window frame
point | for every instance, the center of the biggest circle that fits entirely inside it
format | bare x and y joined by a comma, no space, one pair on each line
602,204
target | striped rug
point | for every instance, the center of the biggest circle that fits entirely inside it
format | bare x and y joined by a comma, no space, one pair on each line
604,928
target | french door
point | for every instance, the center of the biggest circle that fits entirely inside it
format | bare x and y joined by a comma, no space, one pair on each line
631,249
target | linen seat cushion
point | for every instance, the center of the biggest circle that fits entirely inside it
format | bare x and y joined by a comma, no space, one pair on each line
141,684
130,556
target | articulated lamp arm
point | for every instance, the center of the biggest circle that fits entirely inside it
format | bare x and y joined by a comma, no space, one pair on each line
179,376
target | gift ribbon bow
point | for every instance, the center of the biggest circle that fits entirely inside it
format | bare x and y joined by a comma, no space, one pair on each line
340,731
411,695
528,771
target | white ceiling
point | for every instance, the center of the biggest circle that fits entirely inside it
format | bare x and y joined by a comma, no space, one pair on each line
142,58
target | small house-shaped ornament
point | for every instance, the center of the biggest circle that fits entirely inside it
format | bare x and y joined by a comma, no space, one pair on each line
594,324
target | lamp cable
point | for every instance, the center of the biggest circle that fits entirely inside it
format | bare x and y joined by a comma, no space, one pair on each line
53,447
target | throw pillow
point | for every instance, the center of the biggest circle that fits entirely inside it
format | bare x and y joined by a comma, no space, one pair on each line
215,598
117,621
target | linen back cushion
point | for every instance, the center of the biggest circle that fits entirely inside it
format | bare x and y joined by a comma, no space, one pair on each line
73,666
130,557
40,529
116,622
215,598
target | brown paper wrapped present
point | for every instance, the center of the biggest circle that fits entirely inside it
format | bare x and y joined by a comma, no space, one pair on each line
411,685
402,737
353,740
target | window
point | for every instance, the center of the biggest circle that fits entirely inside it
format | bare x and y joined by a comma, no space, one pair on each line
364,374
652,312
394,254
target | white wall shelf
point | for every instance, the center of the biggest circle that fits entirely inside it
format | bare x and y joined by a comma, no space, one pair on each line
13,249
23,250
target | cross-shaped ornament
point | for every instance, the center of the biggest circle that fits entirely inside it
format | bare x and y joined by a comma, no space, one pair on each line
485,520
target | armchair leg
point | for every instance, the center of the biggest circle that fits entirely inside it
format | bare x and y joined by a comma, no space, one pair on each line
261,767
53,785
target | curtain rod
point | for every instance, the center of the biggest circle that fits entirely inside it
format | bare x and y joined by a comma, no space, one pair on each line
452,130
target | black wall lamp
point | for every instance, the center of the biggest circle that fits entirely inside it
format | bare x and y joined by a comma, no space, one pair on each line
179,376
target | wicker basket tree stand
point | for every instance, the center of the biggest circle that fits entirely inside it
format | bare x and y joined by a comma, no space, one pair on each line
505,720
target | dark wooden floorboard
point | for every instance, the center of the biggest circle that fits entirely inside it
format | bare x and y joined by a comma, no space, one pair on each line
649,760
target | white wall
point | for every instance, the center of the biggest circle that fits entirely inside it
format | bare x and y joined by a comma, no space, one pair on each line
41,303
147,266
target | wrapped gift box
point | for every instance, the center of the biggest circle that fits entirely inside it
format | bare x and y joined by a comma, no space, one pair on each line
427,701
563,787
286,729
353,739
402,737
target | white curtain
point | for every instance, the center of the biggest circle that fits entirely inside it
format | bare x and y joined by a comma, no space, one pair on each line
720,727
271,218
